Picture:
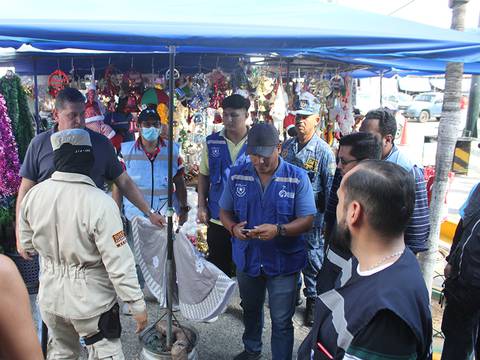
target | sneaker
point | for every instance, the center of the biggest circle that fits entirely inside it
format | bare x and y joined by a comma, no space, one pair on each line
245,355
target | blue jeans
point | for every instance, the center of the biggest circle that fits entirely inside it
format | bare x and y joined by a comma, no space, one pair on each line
281,299
314,242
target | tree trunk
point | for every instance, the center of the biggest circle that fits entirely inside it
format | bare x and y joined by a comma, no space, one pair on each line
447,136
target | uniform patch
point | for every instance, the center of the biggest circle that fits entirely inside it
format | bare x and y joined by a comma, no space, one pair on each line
284,153
285,194
215,152
311,164
241,190
119,238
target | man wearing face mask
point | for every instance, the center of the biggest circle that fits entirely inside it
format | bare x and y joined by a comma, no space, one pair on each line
221,151
267,206
147,163
85,263
311,153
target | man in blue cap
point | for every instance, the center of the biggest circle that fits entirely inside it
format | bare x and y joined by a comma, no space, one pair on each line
267,205
311,153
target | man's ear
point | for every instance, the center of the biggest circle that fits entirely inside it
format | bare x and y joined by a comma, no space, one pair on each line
354,213
389,139
55,115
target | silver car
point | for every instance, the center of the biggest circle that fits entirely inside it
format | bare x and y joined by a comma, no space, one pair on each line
425,106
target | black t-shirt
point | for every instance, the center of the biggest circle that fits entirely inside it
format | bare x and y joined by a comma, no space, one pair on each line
38,164
386,337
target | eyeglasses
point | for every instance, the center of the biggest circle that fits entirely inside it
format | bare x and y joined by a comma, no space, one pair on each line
346,162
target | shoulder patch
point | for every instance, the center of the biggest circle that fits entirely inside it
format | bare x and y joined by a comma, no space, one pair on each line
311,164
119,238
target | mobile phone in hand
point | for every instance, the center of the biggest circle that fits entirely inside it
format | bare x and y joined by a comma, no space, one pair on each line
246,231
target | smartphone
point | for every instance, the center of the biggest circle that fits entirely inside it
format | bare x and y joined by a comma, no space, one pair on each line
246,231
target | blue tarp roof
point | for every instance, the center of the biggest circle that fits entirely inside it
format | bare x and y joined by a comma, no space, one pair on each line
285,28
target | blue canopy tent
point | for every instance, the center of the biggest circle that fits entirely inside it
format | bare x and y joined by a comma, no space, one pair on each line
269,28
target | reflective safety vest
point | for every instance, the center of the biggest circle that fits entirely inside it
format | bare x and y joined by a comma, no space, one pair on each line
151,177
341,313
276,205
219,164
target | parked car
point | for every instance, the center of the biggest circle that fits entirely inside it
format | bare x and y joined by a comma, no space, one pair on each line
366,102
425,106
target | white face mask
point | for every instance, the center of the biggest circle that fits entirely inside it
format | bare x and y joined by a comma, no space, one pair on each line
151,133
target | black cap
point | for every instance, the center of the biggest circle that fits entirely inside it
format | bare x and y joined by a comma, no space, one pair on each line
262,140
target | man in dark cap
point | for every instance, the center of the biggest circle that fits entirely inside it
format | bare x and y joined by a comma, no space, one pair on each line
267,206
85,260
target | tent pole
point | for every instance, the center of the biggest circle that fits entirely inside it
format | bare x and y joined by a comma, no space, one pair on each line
381,88
170,263
35,90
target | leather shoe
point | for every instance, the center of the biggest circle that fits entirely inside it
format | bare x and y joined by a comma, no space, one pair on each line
309,312
245,355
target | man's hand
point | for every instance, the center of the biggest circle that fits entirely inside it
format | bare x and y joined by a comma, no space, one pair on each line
447,271
202,215
23,253
237,231
157,219
182,217
142,321
264,232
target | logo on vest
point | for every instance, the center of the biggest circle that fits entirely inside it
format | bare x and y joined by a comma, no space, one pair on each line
285,194
241,190
215,152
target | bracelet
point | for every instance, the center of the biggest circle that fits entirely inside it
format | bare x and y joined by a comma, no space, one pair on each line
231,228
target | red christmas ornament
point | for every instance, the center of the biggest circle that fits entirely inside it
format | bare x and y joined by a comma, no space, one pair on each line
57,81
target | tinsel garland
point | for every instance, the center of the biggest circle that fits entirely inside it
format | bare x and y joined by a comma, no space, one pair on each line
18,111
9,163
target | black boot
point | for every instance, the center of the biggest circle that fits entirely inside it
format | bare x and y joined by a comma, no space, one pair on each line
298,299
310,312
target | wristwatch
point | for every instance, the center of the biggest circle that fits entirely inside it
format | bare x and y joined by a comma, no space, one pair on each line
281,230
151,211
185,209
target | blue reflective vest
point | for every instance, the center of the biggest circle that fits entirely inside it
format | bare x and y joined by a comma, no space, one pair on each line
276,205
219,164
151,177
341,313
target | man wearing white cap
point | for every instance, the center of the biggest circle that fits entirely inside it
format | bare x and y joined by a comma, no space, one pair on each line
85,260
312,154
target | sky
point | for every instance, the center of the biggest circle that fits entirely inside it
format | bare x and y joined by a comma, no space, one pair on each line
430,12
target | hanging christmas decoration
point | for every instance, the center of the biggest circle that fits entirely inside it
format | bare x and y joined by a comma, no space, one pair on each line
57,81
132,87
109,87
9,161
18,112
219,81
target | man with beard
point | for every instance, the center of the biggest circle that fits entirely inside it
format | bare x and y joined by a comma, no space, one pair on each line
85,261
221,151
312,154
338,263
267,205
382,311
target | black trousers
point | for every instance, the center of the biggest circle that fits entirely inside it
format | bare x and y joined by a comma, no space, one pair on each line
220,248
460,323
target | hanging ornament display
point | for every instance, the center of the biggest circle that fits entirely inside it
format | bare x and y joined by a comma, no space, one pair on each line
219,81
132,87
337,84
239,79
57,81
109,87
9,161
279,108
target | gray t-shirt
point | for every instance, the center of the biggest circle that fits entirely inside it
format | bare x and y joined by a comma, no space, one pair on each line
38,164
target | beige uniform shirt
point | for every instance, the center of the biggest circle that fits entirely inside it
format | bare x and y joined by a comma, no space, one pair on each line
85,261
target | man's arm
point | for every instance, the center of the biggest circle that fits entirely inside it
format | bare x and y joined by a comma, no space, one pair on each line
203,187
117,195
117,257
131,191
418,229
386,337
16,342
25,186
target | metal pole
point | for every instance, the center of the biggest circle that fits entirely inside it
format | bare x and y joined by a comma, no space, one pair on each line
170,264
381,88
473,105
35,90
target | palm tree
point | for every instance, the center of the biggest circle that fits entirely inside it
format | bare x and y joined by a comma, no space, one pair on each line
447,137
